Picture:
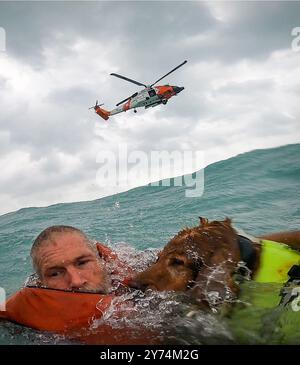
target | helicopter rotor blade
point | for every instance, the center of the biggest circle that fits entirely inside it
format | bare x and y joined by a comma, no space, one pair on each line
129,97
127,79
183,63
123,101
93,107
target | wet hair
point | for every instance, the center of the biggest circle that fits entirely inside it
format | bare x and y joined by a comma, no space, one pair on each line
46,237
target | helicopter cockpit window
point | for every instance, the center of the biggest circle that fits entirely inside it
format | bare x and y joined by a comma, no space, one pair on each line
151,92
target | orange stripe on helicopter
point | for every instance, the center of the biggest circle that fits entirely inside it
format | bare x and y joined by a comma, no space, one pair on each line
126,106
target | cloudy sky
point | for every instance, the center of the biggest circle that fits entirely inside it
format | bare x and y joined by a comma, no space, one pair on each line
242,85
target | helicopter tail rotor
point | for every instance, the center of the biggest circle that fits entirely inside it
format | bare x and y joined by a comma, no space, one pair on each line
96,105
100,111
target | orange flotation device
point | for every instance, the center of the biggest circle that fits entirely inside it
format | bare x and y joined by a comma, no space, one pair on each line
71,313
55,310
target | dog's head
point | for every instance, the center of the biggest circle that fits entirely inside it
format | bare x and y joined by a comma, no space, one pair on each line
201,258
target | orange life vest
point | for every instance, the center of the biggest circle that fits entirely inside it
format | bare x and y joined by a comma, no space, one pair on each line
70,313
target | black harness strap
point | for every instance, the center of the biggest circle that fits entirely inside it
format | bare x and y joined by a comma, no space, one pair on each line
294,273
248,253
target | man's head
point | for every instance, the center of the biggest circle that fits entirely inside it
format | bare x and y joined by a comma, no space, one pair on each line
64,258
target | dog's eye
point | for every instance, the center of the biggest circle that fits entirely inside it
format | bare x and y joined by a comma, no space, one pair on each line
176,262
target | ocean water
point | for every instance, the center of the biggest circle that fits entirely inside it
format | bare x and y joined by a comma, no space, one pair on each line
259,190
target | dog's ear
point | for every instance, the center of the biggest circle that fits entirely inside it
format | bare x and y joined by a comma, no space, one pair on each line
203,221
215,281
228,221
214,284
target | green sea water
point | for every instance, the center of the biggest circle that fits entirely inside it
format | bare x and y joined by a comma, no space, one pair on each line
259,190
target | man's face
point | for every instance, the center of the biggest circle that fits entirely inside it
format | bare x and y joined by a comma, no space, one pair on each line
67,262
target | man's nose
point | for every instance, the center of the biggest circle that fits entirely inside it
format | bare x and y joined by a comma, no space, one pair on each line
76,281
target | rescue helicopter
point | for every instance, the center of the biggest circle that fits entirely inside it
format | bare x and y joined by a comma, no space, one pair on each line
150,96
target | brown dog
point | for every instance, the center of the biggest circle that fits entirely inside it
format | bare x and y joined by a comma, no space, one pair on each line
204,259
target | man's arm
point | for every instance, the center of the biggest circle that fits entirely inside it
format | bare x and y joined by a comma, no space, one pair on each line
290,238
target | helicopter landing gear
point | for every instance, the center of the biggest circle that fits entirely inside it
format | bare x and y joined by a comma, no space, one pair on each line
135,111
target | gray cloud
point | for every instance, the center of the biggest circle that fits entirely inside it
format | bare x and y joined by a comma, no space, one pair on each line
241,86
253,29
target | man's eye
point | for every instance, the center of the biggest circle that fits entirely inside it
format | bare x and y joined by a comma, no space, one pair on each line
82,263
54,274
176,262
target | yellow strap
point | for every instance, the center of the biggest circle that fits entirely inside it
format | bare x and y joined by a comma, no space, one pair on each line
276,259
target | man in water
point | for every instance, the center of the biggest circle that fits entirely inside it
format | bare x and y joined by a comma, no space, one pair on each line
76,286
64,258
